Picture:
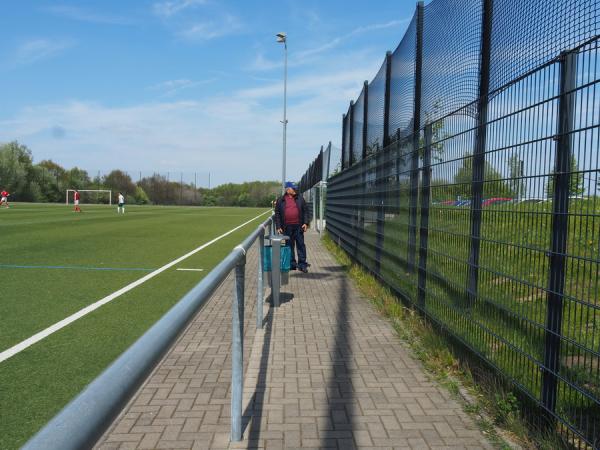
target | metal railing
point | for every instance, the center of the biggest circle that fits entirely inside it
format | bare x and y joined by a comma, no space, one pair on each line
84,420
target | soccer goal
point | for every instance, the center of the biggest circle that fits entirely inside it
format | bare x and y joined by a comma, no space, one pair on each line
90,196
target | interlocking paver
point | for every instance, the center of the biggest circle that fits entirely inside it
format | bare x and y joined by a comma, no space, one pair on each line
327,371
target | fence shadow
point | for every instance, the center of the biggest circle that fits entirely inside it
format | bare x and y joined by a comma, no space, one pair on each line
340,391
284,297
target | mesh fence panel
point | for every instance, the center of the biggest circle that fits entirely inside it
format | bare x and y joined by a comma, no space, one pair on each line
335,154
488,219
509,319
451,54
358,119
529,33
402,84
346,140
375,111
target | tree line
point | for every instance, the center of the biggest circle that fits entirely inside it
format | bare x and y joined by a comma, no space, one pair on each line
48,181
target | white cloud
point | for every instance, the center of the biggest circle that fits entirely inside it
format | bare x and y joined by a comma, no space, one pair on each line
170,8
36,50
204,31
171,87
311,85
357,31
307,56
80,14
261,63
236,136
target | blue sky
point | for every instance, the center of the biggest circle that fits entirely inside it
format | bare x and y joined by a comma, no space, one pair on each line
186,85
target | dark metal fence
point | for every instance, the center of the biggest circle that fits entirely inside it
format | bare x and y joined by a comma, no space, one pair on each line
470,186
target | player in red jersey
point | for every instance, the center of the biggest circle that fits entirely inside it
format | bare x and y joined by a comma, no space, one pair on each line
76,201
4,200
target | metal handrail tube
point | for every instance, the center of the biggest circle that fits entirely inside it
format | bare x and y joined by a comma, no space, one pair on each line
83,421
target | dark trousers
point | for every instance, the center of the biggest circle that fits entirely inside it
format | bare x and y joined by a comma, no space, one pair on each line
296,243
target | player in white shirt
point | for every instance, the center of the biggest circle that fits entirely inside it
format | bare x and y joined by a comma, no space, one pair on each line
121,202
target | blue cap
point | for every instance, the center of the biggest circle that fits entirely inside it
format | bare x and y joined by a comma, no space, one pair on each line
291,184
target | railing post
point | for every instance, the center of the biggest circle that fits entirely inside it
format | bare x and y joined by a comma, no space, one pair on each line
560,219
424,228
478,176
381,157
237,351
259,282
414,170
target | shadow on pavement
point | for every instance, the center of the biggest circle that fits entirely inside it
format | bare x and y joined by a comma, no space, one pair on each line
284,297
340,391
253,413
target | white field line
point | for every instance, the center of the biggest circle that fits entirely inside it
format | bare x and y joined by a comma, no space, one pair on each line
88,309
191,270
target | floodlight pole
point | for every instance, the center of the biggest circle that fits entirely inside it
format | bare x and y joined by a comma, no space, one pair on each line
282,37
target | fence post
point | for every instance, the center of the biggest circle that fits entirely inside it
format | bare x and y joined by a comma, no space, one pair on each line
259,282
362,211
313,196
414,170
386,99
351,135
327,162
478,176
381,199
365,130
237,351
322,185
424,228
560,218
344,143
397,173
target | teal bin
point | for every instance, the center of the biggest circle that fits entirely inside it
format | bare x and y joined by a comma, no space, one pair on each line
286,262
286,258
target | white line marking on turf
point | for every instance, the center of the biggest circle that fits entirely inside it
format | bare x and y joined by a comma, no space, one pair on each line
192,270
18,266
88,309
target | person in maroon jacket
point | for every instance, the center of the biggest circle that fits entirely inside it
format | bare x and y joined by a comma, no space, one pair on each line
291,219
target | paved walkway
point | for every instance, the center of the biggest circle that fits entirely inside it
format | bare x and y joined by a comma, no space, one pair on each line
326,372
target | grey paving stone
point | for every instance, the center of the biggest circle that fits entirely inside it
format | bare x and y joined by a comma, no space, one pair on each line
327,372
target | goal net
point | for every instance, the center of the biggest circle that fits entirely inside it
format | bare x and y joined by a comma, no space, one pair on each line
90,196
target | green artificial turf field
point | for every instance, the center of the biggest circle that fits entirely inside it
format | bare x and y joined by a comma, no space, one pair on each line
55,262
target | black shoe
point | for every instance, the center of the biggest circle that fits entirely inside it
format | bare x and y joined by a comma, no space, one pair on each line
304,269
293,268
